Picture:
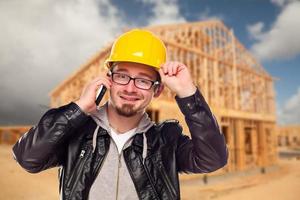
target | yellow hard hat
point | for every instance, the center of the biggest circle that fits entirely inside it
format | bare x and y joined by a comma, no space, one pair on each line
139,46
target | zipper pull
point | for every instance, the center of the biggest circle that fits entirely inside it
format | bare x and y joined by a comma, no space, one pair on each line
82,153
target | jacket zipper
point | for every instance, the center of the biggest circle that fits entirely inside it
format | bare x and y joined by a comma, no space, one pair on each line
76,167
118,174
119,164
83,157
168,184
82,154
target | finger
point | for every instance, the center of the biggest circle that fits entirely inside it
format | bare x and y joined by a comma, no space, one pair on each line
170,65
174,68
102,79
162,74
170,69
165,68
178,67
104,82
96,79
181,66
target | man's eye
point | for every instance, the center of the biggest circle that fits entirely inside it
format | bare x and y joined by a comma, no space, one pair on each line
122,76
144,81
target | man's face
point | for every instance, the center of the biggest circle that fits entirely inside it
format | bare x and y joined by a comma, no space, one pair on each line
128,100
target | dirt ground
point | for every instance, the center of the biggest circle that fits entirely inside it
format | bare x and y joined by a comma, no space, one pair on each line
281,183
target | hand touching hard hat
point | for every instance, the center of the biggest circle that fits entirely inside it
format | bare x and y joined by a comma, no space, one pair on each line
141,46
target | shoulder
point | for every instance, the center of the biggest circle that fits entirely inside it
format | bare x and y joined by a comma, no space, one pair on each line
170,127
168,123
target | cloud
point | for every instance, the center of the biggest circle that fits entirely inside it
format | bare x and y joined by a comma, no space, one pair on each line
41,43
282,3
289,113
255,30
164,12
206,15
168,12
282,41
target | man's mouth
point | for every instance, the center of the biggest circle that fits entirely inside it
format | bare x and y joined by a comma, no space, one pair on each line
129,98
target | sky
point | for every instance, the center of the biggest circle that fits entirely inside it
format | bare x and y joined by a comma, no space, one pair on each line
43,42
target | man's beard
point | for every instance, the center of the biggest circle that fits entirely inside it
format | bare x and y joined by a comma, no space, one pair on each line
126,110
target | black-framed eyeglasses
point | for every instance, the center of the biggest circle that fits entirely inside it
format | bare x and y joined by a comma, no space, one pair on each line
124,79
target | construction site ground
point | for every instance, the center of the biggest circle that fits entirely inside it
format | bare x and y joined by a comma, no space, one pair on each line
281,182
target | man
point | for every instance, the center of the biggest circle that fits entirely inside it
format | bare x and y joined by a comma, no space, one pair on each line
116,151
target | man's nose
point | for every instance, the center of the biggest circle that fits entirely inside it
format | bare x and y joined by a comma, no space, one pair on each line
130,87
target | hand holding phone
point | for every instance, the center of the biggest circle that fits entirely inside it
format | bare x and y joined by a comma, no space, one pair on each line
92,94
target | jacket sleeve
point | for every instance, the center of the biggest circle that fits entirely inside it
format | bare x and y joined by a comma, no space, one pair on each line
43,146
206,151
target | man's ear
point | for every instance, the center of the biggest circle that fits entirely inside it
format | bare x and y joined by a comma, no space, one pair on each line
158,90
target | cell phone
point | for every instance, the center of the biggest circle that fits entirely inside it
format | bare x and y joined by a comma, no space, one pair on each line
100,94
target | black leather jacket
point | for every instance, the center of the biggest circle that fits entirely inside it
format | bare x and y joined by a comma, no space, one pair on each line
63,137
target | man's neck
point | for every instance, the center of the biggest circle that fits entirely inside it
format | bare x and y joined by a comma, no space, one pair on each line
122,123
